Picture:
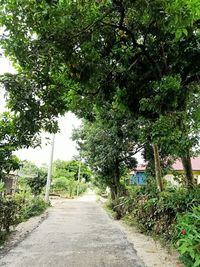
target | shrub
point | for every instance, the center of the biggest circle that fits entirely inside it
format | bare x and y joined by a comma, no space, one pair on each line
8,215
68,187
37,183
173,215
82,188
2,187
35,207
156,212
189,237
18,208
125,204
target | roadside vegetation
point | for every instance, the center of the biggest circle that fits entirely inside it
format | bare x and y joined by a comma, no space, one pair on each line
25,200
130,71
173,216
70,178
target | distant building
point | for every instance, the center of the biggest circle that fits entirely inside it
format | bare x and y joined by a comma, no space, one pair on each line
178,167
138,174
10,181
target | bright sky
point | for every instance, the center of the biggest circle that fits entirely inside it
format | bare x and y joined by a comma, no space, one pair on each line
64,149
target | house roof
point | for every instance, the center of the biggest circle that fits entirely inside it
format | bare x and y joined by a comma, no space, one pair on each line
178,166
139,168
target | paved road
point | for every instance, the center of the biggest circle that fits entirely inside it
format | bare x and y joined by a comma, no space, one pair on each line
77,233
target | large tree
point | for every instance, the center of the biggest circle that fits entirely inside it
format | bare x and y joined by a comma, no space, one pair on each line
108,143
74,53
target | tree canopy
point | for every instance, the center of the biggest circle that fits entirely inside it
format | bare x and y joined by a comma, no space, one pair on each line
142,57
69,170
109,144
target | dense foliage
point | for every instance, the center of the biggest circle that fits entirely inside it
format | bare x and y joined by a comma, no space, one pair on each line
70,177
189,239
108,144
32,176
16,209
172,215
142,57
9,142
8,214
24,203
131,70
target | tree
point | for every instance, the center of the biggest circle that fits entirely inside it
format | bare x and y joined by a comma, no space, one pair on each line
65,176
33,176
37,183
108,145
8,144
92,52
69,170
177,133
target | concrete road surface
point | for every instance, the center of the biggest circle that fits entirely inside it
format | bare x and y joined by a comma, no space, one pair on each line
77,233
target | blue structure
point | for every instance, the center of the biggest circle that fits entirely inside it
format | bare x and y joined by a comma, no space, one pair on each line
138,176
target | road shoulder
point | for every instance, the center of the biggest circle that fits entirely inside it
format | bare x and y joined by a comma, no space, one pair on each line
151,252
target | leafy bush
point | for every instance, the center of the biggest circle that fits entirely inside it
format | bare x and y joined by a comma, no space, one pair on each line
59,184
35,207
2,187
18,208
156,213
173,215
125,203
37,183
82,188
68,187
22,198
9,215
189,237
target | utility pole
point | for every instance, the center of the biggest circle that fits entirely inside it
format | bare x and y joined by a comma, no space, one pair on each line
79,174
48,184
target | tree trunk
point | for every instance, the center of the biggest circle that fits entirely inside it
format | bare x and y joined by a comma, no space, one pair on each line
157,168
187,165
112,192
117,177
116,181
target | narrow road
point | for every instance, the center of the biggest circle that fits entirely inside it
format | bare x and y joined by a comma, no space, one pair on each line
77,233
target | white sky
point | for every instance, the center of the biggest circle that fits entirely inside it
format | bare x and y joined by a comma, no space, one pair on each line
64,149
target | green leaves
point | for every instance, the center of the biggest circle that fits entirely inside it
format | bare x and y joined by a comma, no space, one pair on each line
65,177
9,142
182,16
69,170
189,239
108,144
33,176
141,57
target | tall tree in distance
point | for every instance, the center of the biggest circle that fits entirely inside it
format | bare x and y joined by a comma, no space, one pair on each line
108,145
